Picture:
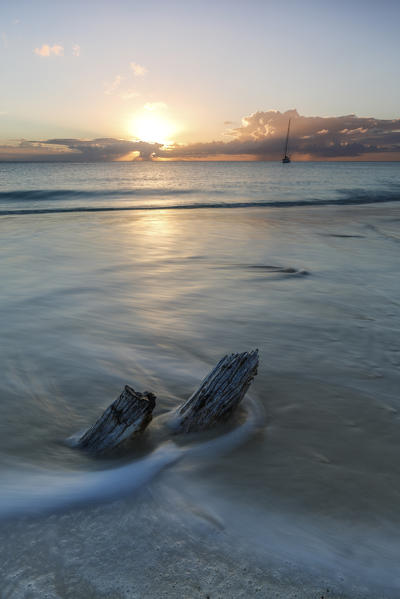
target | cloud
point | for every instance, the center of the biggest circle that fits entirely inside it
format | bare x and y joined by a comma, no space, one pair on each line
129,94
261,136
33,151
125,94
155,106
115,87
101,149
112,87
56,50
138,69
47,50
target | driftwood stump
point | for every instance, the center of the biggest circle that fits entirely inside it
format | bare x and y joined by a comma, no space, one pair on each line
218,395
127,416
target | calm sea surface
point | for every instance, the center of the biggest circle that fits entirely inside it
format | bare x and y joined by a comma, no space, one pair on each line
51,187
301,261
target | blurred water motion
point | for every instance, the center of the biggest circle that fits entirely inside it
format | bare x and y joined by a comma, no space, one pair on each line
91,302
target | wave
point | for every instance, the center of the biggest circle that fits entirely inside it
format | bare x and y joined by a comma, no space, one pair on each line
42,491
37,195
352,199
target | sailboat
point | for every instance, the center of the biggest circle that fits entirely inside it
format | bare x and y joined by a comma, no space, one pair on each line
286,158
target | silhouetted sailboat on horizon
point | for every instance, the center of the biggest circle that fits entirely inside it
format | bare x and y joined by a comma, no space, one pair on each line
286,158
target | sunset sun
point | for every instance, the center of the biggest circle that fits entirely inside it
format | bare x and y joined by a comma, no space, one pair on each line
152,128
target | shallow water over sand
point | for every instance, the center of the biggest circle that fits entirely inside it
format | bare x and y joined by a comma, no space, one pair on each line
153,299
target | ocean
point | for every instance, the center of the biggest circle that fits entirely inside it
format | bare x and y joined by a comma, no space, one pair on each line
33,188
147,274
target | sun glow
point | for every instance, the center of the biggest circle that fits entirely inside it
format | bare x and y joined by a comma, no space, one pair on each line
153,128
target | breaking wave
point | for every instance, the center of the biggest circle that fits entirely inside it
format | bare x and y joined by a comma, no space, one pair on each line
71,194
342,199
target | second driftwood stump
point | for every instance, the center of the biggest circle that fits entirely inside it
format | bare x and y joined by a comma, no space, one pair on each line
127,416
218,395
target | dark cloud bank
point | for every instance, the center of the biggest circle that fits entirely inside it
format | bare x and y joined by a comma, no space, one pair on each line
78,150
260,137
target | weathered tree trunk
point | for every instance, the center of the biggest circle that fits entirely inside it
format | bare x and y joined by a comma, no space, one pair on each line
218,395
123,419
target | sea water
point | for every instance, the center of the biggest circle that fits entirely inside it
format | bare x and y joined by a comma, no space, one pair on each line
49,187
147,274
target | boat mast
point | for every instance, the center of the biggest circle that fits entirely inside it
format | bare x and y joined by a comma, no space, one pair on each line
287,138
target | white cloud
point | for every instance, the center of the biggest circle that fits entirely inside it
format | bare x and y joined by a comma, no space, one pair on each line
155,106
129,94
57,50
47,50
76,50
138,69
112,87
4,39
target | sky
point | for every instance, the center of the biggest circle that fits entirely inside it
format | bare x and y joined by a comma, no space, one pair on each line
101,80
